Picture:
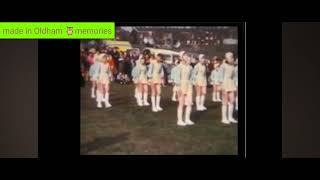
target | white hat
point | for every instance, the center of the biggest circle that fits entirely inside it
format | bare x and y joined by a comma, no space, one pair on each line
228,55
201,56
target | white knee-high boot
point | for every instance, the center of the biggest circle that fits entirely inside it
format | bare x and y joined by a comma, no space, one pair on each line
102,96
237,102
180,121
153,103
230,113
214,96
187,116
97,92
219,96
106,100
139,99
92,92
224,114
198,106
136,91
202,100
145,99
158,103
99,99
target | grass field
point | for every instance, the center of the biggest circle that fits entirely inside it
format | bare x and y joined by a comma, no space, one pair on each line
126,129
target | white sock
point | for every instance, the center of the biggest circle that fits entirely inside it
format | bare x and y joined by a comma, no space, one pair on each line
99,98
214,96
218,95
202,100
145,98
187,114
237,102
230,111
97,92
139,98
179,115
198,102
153,103
106,98
158,103
224,111
136,91
92,92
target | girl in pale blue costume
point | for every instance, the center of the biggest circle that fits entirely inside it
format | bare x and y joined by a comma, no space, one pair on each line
182,78
156,76
216,81
228,89
174,88
92,71
192,82
139,75
136,88
135,80
96,58
104,76
200,82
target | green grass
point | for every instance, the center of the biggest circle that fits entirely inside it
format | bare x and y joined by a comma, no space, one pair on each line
126,128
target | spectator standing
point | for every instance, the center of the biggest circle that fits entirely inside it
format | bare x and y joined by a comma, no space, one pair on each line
121,62
115,56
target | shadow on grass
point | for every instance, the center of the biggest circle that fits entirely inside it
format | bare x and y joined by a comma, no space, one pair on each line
102,142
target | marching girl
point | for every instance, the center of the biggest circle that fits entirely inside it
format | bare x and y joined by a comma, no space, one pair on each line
200,82
135,79
188,59
228,89
216,80
91,65
174,88
95,71
139,74
156,75
92,71
104,78
133,65
182,78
